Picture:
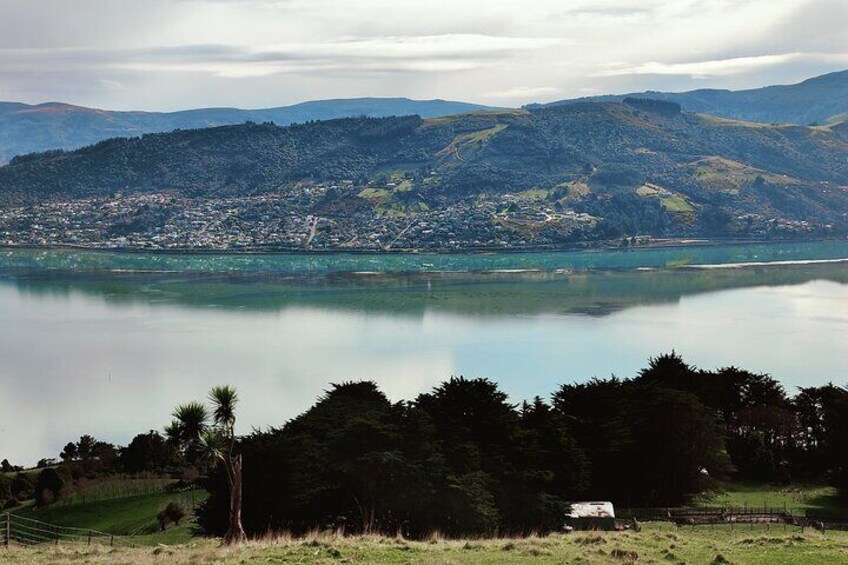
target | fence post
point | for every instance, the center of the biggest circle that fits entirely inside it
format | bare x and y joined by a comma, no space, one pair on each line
7,531
89,537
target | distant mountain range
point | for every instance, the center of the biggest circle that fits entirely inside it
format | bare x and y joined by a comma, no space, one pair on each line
30,128
818,100
639,167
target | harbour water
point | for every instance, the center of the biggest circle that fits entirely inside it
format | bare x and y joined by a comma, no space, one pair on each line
107,343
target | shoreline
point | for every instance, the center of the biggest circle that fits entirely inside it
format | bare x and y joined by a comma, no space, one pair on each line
677,255
660,243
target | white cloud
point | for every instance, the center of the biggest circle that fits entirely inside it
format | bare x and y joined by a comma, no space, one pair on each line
700,69
427,54
525,92
110,84
715,68
173,54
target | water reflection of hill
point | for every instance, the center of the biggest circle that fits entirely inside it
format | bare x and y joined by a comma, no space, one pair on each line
594,293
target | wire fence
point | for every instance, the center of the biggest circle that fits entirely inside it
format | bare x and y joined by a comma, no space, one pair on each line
670,513
20,531
86,491
737,515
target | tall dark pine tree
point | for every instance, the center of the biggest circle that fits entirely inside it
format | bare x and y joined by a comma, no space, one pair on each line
823,422
479,435
553,469
597,415
347,460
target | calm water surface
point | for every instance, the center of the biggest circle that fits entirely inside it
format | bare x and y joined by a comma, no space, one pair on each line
106,344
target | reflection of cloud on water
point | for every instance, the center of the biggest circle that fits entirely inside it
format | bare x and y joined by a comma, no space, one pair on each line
795,333
79,365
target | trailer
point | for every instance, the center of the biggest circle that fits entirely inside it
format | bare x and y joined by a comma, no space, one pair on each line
592,515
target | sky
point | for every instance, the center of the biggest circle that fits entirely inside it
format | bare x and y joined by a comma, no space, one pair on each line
177,54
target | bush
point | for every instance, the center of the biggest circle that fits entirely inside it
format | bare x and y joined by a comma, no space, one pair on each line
173,513
52,485
5,489
11,503
189,475
23,486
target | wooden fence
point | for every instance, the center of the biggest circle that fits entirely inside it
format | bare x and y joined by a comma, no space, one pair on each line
20,531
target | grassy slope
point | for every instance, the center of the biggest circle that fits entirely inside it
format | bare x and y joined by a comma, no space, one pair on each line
134,515
795,498
656,543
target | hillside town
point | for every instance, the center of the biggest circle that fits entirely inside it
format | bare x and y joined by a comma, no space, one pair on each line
304,219
332,216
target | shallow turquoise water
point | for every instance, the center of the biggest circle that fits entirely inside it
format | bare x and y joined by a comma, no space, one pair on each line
424,262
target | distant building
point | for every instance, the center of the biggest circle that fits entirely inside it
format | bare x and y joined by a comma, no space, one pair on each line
591,516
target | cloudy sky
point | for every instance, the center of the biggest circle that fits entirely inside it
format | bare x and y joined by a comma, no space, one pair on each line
174,54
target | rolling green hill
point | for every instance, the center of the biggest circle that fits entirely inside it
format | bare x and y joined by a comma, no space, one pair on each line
133,516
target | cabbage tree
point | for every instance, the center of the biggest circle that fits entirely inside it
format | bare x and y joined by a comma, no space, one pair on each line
211,435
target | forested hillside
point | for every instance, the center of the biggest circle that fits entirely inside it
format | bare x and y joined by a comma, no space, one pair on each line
818,100
629,168
25,128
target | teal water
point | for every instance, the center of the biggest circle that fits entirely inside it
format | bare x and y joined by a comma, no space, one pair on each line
423,262
107,343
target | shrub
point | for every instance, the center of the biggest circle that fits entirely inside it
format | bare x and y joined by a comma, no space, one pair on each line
22,486
173,513
52,485
189,475
5,488
11,503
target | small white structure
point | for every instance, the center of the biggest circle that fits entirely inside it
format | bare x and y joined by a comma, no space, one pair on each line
591,510
591,516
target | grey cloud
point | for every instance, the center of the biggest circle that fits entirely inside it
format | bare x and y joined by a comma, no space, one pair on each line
77,23
818,25
385,54
159,54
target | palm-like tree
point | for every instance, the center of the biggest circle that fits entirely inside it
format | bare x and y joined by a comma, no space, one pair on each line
190,423
214,439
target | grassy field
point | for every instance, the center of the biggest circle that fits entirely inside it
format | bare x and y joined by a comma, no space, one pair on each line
795,498
654,544
676,203
130,516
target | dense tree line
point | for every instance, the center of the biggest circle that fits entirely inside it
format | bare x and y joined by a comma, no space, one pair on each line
463,460
662,107
626,214
88,460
